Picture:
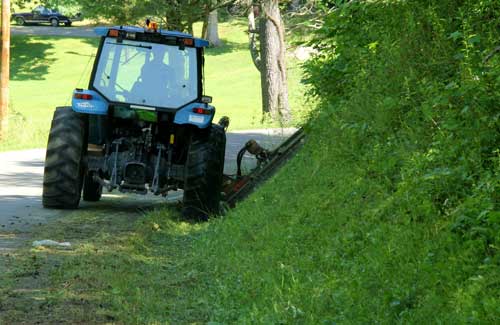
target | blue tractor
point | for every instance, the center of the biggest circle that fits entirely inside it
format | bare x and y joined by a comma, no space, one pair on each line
143,125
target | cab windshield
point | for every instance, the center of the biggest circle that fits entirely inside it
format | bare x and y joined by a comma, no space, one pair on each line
149,74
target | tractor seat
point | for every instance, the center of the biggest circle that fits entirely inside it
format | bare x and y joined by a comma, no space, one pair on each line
152,84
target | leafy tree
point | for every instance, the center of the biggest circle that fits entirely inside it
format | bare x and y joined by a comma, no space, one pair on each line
174,15
120,12
210,20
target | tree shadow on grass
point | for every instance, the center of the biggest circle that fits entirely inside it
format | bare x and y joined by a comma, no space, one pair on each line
79,54
30,59
226,47
94,41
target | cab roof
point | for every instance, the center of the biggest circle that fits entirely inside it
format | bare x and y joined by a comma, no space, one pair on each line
198,42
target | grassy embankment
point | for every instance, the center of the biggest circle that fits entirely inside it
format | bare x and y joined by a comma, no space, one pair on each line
389,214
45,70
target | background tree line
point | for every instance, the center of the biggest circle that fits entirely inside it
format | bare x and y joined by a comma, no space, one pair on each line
267,32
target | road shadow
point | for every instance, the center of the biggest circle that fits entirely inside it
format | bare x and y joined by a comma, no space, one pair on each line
108,203
30,58
25,179
127,203
32,164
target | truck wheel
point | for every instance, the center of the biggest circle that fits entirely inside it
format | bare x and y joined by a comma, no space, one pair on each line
92,190
203,174
20,21
64,161
54,22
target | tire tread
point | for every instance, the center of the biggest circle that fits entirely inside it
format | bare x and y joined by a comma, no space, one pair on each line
63,173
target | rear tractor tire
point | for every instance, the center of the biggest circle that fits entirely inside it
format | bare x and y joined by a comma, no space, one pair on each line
64,162
203,174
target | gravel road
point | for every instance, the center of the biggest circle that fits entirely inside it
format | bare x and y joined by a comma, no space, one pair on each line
21,174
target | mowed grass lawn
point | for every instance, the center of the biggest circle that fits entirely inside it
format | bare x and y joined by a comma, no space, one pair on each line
45,70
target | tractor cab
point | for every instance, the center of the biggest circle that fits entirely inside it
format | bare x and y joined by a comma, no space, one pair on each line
160,71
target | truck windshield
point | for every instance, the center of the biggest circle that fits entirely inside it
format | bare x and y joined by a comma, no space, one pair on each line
147,73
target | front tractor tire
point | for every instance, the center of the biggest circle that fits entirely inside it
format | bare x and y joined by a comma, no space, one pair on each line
203,174
64,161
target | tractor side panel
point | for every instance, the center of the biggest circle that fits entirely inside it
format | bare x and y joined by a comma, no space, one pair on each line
186,115
95,104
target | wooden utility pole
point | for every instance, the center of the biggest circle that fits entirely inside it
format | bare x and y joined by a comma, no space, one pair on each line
4,71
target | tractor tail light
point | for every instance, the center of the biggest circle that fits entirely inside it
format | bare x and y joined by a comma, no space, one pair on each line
203,111
188,41
83,96
113,33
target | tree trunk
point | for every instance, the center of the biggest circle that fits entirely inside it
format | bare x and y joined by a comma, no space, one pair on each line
252,39
204,28
213,29
273,67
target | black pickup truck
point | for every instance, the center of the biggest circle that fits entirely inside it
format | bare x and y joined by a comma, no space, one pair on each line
41,15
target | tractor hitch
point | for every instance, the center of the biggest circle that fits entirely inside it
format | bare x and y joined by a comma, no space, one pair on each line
238,187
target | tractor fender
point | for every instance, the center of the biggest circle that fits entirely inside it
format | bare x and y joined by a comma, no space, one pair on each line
186,115
95,104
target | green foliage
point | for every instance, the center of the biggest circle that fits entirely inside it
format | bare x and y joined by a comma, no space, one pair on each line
174,15
409,82
119,12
